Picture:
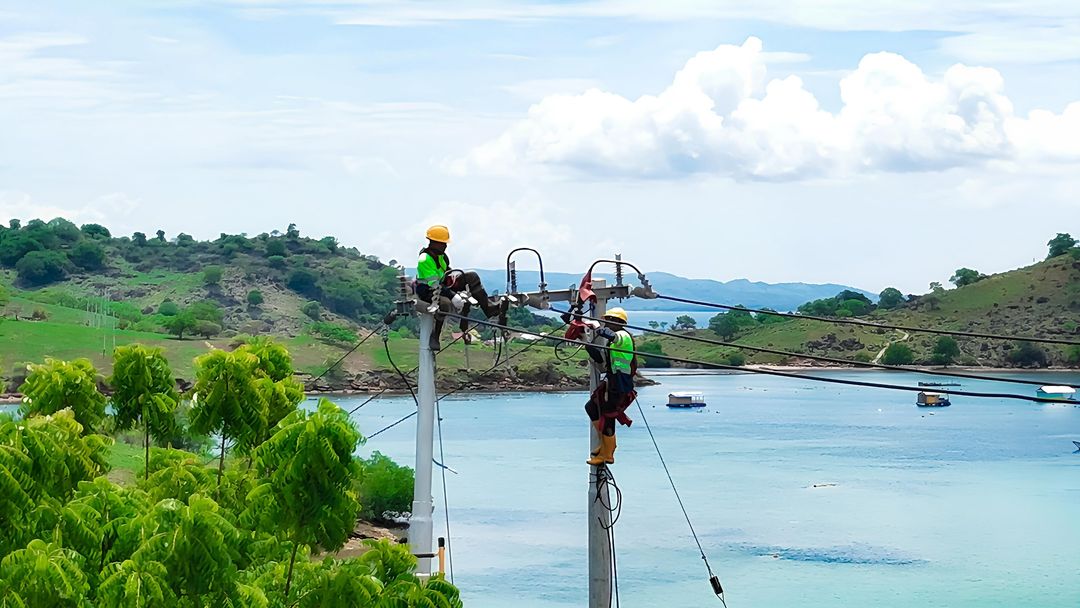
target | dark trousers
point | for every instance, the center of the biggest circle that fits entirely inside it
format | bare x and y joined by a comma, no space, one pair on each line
618,385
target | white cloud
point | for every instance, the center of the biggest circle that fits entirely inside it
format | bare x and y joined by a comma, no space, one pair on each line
721,116
537,89
106,208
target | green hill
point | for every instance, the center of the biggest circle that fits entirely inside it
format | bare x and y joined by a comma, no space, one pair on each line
69,291
1042,300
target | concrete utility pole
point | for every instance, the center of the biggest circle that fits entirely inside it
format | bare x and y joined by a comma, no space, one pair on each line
420,529
599,517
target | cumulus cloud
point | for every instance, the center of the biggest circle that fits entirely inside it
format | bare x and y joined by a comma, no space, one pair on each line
721,115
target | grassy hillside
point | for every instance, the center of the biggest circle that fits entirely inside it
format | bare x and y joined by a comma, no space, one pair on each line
72,292
1042,300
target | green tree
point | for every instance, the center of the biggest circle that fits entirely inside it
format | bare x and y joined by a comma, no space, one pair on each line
207,329
254,297
228,401
1026,354
88,255
936,287
160,234
685,322
855,308
180,324
207,310
276,247
654,325
308,467
168,308
966,276
945,350
898,353
212,276
654,347
56,385
303,281
43,574
890,298
41,267
144,393
312,309
95,231
1060,245
139,238
724,325
383,487
1072,356
274,371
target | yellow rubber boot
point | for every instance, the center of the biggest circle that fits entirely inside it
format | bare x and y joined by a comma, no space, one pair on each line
605,455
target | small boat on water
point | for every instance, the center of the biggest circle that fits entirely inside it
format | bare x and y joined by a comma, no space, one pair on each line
929,399
1057,393
939,384
686,400
1077,444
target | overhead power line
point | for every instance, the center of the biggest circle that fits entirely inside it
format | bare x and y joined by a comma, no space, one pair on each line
943,332
783,374
867,364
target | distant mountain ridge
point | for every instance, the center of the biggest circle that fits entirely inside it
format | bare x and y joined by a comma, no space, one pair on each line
754,294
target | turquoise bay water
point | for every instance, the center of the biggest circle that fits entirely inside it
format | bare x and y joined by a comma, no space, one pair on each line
977,504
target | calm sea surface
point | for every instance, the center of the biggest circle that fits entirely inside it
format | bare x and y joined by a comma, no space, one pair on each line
977,504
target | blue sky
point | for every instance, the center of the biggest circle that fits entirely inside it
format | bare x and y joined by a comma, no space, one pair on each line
777,141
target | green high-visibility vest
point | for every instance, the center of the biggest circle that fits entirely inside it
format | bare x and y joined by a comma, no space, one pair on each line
621,354
431,270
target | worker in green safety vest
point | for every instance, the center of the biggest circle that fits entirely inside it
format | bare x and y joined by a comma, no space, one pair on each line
609,403
450,289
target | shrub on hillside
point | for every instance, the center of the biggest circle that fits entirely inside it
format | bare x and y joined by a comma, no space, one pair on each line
212,275
168,308
654,347
1026,354
88,255
333,332
312,310
898,354
41,267
254,297
1072,356
207,329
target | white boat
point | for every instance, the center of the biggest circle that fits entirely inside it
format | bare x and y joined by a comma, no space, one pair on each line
930,399
1059,393
686,400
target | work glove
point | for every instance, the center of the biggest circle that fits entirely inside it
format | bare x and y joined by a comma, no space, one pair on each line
458,302
605,333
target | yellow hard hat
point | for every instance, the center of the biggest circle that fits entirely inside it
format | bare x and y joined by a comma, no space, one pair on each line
616,313
439,234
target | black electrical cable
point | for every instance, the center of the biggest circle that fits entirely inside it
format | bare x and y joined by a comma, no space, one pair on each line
347,353
867,364
392,425
712,576
944,332
782,374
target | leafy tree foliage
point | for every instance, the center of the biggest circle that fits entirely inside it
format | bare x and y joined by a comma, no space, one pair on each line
945,350
1026,354
684,322
312,310
966,276
254,297
308,468
1072,355
212,276
898,353
276,247
207,310
41,267
228,400
333,332
890,298
274,379
139,238
168,308
383,487
88,255
207,329
56,385
724,325
144,393
1060,245
43,574
95,231
181,323
654,347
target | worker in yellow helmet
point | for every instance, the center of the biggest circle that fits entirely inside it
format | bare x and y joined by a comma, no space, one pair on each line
437,283
609,402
